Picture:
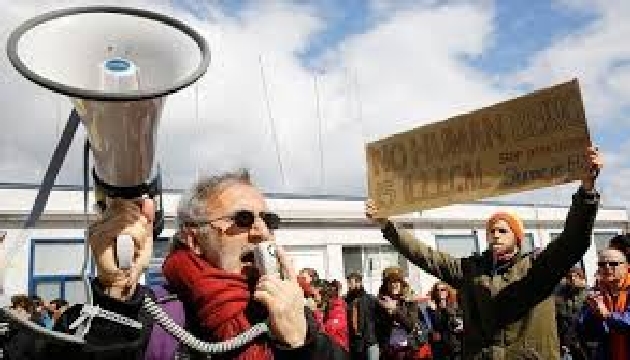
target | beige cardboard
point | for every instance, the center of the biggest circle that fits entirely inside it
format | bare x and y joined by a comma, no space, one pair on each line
537,140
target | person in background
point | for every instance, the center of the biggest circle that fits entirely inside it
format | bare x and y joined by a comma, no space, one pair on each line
318,302
310,275
570,298
40,314
56,308
505,295
361,323
605,318
398,328
621,242
335,314
22,305
313,299
448,326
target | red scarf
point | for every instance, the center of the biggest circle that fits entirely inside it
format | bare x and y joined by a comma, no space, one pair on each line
219,298
619,342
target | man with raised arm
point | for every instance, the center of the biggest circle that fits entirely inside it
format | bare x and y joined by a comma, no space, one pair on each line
506,295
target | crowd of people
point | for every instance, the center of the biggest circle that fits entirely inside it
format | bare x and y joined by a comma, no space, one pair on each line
394,323
38,310
31,308
500,304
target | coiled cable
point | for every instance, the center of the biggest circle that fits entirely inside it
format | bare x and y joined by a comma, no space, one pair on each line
162,318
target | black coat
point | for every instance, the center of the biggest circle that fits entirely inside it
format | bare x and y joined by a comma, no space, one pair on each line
366,306
105,340
446,322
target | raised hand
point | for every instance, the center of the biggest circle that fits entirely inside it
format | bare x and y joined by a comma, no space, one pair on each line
371,212
595,163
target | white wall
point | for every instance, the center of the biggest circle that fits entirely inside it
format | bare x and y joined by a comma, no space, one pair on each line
325,243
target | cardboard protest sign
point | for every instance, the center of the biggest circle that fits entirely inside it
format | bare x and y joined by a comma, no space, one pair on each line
537,140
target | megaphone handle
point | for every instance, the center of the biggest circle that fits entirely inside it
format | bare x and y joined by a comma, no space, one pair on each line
124,251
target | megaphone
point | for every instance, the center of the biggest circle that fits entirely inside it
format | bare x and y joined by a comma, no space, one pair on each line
117,65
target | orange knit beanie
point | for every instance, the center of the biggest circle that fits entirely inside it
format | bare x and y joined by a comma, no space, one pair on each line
515,223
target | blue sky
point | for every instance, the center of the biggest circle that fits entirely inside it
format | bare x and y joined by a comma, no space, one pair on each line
374,67
525,28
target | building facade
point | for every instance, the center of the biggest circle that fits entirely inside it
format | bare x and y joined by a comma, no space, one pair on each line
329,234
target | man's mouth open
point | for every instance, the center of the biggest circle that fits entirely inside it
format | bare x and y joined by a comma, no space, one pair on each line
247,258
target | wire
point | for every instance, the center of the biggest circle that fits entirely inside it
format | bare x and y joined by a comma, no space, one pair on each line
191,341
322,173
271,120
85,274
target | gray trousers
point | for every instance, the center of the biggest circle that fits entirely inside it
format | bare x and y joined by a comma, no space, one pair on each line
372,352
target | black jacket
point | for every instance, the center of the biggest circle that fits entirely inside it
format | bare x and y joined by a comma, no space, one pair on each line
366,306
106,340
405,316
447,323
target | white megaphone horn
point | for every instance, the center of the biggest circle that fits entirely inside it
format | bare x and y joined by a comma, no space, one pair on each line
116,64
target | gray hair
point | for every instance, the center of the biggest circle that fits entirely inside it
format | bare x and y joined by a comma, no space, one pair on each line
192,205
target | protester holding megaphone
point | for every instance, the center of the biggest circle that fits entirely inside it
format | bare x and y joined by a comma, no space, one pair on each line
505,295
115,289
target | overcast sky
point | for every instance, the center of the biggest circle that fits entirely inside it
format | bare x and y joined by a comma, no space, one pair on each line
338,74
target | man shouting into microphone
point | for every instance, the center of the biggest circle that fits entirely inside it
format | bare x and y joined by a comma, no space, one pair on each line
221,220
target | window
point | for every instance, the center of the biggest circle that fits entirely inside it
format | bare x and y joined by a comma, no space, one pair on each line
528,244
553,236
160,250
601,239
457,245
305,256
352,260
370,261
50,278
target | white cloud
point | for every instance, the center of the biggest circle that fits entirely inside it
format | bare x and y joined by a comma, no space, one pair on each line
378,84
618,191
596,54
599,57
404,71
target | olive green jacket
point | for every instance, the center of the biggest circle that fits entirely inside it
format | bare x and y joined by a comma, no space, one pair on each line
508,310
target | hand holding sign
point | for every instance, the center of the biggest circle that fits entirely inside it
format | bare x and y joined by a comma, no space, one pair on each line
594,162
371,212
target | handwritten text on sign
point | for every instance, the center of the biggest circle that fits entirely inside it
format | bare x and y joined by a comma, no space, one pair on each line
533,141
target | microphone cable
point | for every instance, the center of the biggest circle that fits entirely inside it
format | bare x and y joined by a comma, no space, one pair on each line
165,321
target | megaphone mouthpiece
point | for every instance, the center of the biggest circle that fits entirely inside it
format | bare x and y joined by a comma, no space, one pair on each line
119,74
119,65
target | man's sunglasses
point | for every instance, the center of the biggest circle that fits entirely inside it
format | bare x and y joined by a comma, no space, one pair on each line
609,263
246,218
499,230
